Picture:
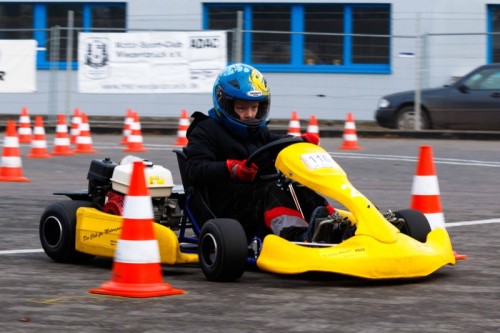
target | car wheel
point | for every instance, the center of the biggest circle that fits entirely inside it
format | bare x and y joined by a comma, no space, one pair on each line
406,119
222,250
57,231
415,224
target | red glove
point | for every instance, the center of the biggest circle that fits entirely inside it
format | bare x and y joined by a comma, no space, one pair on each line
240,172
311,138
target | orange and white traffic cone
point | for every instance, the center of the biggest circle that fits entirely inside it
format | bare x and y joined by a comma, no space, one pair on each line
134,140
350,138
182,129
62,144
294,124
11,165
426,196
39,142
129,119
84,140
76,120
136,265
24,131
313,127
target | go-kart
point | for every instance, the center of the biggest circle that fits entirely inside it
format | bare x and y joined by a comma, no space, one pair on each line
372,244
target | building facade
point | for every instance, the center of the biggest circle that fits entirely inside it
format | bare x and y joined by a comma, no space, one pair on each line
323,58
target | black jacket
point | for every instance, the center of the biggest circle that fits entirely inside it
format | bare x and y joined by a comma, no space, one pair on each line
209,146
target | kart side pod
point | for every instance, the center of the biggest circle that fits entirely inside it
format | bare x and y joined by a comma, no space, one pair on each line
97,233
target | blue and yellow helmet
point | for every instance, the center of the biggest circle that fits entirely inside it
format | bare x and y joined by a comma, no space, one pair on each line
241,82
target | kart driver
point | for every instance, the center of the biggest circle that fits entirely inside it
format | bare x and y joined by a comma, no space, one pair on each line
219,145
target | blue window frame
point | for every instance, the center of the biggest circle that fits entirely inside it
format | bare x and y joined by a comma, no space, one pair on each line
321,38
100,16
493,29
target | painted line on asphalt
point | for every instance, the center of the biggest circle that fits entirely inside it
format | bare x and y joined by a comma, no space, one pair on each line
453,224
437,160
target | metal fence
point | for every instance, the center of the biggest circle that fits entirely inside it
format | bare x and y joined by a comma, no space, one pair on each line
415,62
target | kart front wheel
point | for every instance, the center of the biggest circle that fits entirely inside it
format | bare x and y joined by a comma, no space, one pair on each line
415,224
58,231
222,250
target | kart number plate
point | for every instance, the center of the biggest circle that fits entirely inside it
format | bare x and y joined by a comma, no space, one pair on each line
315,161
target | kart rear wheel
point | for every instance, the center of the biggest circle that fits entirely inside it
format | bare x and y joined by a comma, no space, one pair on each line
222,250
416,224
57,231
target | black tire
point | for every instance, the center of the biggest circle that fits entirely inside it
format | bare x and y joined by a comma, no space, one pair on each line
405,119
416,224
222,250
57,231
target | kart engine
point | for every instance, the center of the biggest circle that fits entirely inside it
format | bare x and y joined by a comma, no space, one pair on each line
109,183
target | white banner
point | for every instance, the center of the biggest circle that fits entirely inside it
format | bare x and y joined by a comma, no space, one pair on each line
17,66
150,62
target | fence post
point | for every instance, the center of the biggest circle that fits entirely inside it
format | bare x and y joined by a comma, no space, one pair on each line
69,61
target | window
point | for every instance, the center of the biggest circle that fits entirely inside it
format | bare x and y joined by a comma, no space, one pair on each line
38,20
224,18
19,17
310,37
494,39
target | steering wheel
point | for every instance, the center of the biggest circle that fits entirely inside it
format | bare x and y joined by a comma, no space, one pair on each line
265,156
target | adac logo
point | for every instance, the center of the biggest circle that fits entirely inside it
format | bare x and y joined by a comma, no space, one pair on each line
258,83
96,58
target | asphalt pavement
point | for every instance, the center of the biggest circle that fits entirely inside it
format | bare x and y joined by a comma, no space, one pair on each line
39,295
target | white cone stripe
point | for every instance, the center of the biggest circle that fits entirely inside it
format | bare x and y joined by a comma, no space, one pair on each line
294,123
61,142
135,126
350,125
61,128
181,133
129,120
75,131
138,207
350,137
126,132
137,252
24,119
84,127
11,161
76,120
84,139
184,122
39,131
425,185
436,220
134,138
313,129
24,130
38,144
11,142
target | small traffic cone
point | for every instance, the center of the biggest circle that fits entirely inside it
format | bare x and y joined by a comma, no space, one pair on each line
134,140
84,140
294,125
11,165
62,143
76,120
136,265
313,127
350,138
39,142
182,129
24,131
129,119
425,192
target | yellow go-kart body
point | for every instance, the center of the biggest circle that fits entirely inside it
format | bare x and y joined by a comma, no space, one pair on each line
378,250
97,234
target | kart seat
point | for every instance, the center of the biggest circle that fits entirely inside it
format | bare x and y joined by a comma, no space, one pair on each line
197,203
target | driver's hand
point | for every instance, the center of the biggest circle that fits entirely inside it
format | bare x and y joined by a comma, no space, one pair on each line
311,138
241,172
